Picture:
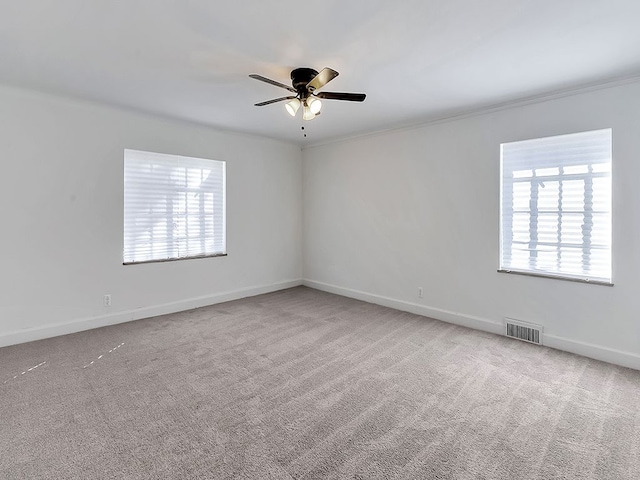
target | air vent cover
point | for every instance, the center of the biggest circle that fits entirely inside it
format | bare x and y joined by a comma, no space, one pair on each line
527,332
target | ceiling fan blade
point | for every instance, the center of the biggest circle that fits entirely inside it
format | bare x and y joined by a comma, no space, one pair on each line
325,76
350,97
269,102
272,82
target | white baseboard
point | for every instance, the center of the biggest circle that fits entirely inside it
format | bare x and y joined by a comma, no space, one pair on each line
448,316
79,325
597,352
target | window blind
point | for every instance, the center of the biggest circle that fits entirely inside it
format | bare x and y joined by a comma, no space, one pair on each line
556,206
174,207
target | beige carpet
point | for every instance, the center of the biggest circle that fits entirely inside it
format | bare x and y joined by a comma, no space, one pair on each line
304,384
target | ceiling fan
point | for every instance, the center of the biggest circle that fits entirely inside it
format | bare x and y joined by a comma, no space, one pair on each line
306,82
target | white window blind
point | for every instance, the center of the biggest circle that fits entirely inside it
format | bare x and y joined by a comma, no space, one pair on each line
556,206
174,207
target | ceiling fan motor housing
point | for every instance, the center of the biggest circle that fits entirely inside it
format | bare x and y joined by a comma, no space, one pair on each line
300,77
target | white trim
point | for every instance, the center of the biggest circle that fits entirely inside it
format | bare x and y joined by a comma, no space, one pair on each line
490,108
74,326
448,316
597,352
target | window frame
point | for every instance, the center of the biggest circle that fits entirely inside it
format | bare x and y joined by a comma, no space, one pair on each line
175,162
534,216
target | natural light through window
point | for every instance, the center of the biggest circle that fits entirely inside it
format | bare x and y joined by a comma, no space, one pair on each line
556,206
174,207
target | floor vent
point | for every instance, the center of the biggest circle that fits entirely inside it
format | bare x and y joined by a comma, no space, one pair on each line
527,332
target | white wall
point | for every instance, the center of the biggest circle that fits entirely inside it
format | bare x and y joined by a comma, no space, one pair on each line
388,213
383,215
61,202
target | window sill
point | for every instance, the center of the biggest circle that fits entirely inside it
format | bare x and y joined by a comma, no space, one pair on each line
558,277
175,259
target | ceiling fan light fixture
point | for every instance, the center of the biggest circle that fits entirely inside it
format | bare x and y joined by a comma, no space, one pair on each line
305,82
314,105
292,107
307,114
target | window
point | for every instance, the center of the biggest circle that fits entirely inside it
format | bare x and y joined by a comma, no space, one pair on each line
174,207
556,206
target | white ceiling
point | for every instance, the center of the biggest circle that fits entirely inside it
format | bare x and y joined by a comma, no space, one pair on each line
415,59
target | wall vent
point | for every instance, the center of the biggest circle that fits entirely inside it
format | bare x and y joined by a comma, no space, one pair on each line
527,332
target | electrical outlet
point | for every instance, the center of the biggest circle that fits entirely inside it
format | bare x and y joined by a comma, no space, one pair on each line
107,300
420,292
